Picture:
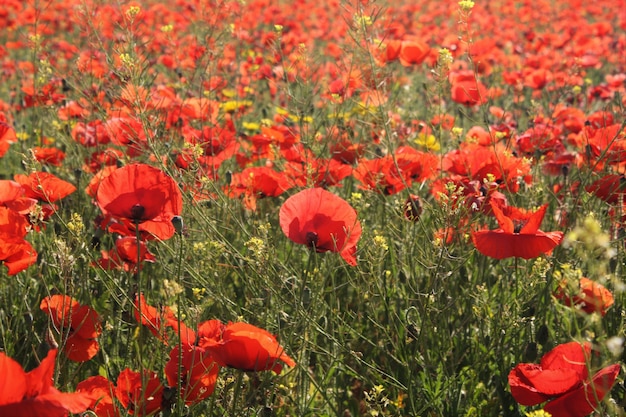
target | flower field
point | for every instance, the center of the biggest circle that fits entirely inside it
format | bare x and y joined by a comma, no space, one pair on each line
312,208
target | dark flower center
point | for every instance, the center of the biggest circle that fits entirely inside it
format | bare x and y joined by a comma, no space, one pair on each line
518,225
311,239
137,212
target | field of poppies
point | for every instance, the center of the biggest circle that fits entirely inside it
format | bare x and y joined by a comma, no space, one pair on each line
312,208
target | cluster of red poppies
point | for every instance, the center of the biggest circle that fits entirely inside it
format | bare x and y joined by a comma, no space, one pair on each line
218,124
193,365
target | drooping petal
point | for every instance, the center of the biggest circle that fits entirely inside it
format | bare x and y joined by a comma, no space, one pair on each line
500,245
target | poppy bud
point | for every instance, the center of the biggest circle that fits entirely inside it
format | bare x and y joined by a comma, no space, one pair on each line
530,353
177,222
542,334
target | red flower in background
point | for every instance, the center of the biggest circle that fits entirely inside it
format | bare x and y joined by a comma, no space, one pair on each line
257,182
562,378
28,394
79,323
44,186
50,156
137,398
466,89
243,346
158,320
139,192
198,373
101,390
589,295
518,236
323,221
13,196
15,253
124,256
7,137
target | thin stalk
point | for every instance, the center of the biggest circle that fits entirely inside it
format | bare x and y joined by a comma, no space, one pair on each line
180,403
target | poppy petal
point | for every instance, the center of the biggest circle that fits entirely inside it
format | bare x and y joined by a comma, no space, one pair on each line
584,400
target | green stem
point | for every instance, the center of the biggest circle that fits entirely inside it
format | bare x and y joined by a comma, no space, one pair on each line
137,277
236,391
179,398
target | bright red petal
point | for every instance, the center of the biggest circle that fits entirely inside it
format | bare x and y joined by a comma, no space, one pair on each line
505,223
80,350
534,221
39,380
523,392
13,381
572,355
584,400
500,245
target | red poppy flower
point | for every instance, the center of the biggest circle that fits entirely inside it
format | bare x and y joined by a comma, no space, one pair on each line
78,323
589,295
7,137
139,192
27,394
562,379
243,346
13,196
585,399
44,186
466,89
257,182
137,398
412,52
322,221
124,256
493,163
198,373
16,253
158,320
101,390
609,188
50,156
518,236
